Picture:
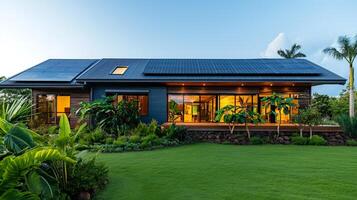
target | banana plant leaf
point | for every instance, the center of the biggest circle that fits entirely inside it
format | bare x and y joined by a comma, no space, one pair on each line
17,140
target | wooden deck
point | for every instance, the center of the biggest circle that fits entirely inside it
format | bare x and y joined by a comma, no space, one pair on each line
252,127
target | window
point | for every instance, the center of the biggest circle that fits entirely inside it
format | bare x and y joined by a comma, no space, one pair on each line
50,107
120,70
142,101
177,103
63,105
202,108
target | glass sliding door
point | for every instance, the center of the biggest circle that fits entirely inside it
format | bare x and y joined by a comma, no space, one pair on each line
202,108
191,108
207,108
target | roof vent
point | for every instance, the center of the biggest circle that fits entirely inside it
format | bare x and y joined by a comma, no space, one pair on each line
120,70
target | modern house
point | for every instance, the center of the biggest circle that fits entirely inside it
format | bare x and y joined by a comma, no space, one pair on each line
198,86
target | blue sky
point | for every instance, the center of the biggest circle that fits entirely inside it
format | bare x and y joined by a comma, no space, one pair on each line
32,31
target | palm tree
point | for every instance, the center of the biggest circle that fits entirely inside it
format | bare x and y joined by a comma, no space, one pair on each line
291,53
347,51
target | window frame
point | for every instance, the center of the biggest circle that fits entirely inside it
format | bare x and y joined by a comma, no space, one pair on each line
137,99
56,117
120,66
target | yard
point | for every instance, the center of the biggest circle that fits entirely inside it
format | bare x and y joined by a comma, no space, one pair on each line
213,171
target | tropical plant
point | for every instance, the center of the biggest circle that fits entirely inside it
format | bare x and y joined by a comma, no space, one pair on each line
310,117
174,112
347,50
113,118
25,171
174,132
144,129
87,176
230,117
17,110
248,115
64,141
235,115
348,124
322,103
293,52
280,103
297,119
16,139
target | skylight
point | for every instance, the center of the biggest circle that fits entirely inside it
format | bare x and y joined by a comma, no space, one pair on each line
120,70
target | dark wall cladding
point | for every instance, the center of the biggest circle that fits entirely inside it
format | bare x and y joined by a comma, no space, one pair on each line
157,99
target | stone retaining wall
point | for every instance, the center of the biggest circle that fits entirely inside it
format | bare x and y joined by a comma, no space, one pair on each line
241,137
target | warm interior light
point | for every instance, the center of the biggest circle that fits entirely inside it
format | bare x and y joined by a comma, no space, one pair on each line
293,84
204,84
242,84
120,70
183,84
271,84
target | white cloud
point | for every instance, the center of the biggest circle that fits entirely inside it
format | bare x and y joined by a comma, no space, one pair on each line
279,42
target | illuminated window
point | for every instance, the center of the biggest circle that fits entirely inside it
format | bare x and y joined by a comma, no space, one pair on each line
63,105
120,70
142,101
50,107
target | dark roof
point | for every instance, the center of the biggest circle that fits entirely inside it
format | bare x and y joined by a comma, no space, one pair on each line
55,70
54,73
75,72
230,67
211,70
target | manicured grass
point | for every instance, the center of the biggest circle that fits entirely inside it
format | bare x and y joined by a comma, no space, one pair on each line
213,171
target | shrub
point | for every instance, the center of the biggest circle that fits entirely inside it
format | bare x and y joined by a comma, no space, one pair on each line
87,176
150,140
109,140
98,136
297,140
317,140
176,132
147,129
351,142
256,140
134,139
348,124
112,117
121,141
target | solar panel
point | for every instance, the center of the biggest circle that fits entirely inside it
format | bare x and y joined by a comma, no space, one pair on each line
230,67
58,70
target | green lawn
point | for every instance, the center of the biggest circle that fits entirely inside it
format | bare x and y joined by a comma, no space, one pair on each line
213,171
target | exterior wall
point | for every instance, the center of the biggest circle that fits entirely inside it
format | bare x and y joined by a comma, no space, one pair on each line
157,99
77,96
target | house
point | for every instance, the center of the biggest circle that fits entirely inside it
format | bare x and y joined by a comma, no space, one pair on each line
198,86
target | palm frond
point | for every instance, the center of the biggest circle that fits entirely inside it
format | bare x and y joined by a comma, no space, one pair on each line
299,55
292,52
282,53
332,51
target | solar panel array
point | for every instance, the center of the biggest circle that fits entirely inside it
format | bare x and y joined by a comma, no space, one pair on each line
58,70
230,67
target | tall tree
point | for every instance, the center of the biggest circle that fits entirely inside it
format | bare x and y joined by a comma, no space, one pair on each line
293,52
347,50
